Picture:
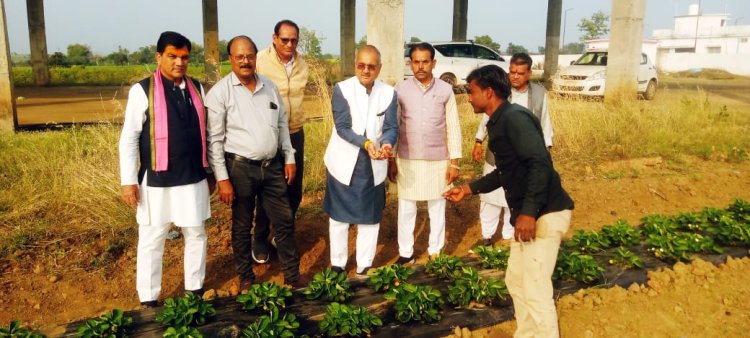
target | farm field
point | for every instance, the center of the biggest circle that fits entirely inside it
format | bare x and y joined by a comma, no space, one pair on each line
46,285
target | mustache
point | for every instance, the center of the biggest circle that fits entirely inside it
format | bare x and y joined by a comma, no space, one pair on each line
247,65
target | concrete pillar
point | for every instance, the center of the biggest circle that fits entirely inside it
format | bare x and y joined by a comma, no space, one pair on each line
38,40
460,19
625,44
211,43
7,99
347,37
552,44
385,30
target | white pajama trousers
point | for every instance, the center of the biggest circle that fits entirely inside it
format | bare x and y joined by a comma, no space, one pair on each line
529,278
151,240
407,218
367,243
489,217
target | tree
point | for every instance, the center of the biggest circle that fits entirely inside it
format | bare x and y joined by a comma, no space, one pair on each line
79,54
487,41
58,59
573,48
118,58
414,39
513,49
223,53
143,55
197,55
309,43
361,43
540,49
595,27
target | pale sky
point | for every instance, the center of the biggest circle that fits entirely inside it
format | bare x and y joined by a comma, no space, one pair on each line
106,24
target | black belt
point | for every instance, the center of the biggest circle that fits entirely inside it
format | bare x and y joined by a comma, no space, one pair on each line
238,158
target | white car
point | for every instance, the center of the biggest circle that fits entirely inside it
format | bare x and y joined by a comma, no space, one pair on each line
455,60
586,76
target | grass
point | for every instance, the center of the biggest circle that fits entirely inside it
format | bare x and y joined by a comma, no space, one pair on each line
60,194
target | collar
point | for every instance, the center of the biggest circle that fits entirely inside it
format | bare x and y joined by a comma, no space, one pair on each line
528,87
235,81
170,84
422,86
500,111
273,51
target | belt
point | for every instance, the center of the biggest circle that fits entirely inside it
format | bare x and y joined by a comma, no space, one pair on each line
238,158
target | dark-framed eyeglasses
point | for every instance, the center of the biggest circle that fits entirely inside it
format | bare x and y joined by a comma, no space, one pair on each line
285,41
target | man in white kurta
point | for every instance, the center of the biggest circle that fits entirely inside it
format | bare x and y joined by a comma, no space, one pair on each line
175,191
533,97
428,151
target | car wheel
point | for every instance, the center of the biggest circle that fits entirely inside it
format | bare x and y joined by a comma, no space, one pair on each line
450,78
650,90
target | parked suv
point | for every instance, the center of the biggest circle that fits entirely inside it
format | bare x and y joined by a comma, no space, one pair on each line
455,60
586,76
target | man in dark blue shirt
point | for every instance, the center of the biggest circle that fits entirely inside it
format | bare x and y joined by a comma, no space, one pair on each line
540,208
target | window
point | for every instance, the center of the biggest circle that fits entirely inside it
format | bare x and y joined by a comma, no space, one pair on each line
684,50
714,50
484,53
644,59
743,40
461,51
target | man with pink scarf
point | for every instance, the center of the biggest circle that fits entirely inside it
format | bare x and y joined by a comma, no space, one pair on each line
164,129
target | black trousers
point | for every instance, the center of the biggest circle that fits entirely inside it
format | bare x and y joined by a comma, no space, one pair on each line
251,181
294,192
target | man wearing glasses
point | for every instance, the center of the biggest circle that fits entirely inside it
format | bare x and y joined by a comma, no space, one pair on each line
247,126
281,63
365,130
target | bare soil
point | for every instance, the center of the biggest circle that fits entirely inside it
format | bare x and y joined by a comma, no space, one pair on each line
696,300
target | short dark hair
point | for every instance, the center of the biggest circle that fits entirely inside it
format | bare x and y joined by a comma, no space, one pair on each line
172,38
491,76
284,22
422,46
245,37
521,59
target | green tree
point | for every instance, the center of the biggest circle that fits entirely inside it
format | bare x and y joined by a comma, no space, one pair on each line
361,43
197,55
487,41
541,49
143,55
118,58
513,49
58,59
223,53
595,27
414,39
573,48
79,54
309,43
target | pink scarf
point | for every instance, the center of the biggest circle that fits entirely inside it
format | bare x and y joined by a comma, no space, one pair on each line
157,108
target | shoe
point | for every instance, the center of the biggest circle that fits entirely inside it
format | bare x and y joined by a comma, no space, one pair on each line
338,269
260,256
481,242
362,275
149,304
405,260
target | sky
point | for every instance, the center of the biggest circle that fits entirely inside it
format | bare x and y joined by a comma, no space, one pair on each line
105,25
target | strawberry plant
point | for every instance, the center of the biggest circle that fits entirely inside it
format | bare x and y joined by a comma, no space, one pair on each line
493,258
658,224
626,258
588,242
273,326
389,276
16,330
579,267
471,287
414,302
182,332
741,210
690,222
621,233
329,285
267,296
729,231
188,310
676,246
112,324
343,320
444,266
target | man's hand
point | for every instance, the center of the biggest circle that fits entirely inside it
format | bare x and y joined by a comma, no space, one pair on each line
289,171
131,195
451,175
226,191
386,151
476,153
525,228
372,150
392,170
458,193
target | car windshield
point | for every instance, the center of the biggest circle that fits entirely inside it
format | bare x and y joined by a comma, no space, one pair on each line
593,59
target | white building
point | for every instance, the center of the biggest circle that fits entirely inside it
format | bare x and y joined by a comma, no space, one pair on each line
703,41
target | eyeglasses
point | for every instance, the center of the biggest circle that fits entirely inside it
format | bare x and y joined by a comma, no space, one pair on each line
240,58
363,66
285,41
